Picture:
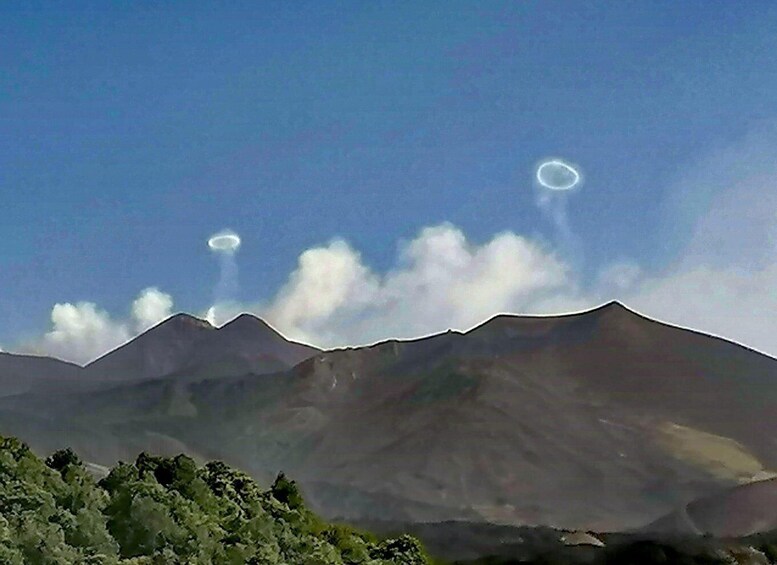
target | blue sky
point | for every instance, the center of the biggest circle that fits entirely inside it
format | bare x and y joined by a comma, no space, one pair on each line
130,132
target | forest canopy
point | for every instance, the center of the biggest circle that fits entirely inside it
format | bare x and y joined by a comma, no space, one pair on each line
168,511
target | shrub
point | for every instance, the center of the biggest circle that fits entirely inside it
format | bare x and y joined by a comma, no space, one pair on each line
166,511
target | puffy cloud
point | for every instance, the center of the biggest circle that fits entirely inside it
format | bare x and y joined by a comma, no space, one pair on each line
721,218
151,307
329,282
82,332
441,281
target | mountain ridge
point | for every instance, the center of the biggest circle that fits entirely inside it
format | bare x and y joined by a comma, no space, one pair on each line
503,317
579,421
181,340
171,346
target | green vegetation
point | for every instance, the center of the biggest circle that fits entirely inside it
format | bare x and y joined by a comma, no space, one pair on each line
168,511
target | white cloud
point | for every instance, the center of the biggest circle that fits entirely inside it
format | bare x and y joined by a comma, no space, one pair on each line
441,281
722,211
81,332
328,281
151,307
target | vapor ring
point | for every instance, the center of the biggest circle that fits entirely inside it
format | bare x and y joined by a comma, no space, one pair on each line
557,175
224,241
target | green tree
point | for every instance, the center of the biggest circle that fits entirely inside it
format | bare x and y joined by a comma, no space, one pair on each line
166,511
286,491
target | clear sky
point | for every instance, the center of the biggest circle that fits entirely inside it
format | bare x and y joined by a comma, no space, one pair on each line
374,138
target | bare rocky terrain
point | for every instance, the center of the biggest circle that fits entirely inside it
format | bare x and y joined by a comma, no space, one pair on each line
603,420
740,511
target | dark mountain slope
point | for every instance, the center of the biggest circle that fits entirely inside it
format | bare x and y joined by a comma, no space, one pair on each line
602,420
247,331
247,344
567,420
185,344
182,345
161,350
25,373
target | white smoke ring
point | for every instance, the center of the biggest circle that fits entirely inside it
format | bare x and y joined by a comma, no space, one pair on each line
224,242
558,175
225,245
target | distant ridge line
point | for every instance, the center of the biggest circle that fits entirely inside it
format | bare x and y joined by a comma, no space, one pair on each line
609,305
562,315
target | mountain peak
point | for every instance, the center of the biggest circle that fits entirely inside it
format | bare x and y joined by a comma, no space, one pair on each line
252,327
532,324
183,340
154,351
184,320
613,305
246,320
176,325
618,310
249,325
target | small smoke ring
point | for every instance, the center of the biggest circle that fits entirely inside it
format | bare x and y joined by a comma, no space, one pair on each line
557,175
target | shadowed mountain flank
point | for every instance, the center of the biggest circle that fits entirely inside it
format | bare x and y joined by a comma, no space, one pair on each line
181,345
186,343
247,344
602,420
25,373
156,352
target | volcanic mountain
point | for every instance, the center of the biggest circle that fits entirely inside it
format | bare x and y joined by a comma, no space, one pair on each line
184,343
600,420
181,345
